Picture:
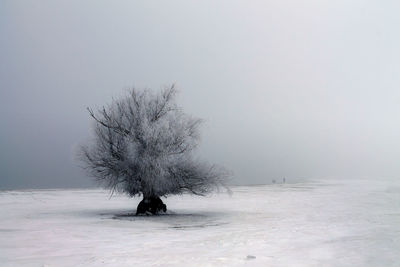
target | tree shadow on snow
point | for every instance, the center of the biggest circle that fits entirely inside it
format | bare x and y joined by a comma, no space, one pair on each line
177,220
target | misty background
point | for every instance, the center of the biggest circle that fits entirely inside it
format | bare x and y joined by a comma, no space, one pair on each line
296,89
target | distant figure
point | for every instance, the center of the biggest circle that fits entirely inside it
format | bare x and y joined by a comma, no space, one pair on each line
273,181
284,180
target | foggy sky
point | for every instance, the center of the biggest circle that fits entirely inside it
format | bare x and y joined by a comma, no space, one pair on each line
301,89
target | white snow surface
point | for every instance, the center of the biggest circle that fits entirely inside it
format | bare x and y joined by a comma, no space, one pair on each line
329,223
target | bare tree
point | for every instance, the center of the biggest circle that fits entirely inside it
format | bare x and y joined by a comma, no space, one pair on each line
143,145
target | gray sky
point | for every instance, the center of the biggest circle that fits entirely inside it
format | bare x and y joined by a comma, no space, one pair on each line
302,89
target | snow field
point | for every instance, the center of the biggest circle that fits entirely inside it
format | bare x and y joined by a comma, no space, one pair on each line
330,223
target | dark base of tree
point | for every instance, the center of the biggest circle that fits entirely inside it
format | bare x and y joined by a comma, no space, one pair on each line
151,205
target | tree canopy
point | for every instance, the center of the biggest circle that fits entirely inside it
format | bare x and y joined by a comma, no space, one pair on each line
143,144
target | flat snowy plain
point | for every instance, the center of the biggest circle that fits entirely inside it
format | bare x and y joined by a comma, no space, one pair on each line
330,223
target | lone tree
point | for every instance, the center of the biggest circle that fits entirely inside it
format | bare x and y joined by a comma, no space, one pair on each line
143,145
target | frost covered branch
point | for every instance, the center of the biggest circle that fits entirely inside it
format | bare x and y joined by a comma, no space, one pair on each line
143,145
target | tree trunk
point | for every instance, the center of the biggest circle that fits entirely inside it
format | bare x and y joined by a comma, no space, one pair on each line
151,205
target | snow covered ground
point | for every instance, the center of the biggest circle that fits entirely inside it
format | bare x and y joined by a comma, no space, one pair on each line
331,223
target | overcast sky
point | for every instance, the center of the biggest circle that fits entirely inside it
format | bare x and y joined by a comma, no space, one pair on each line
301,89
